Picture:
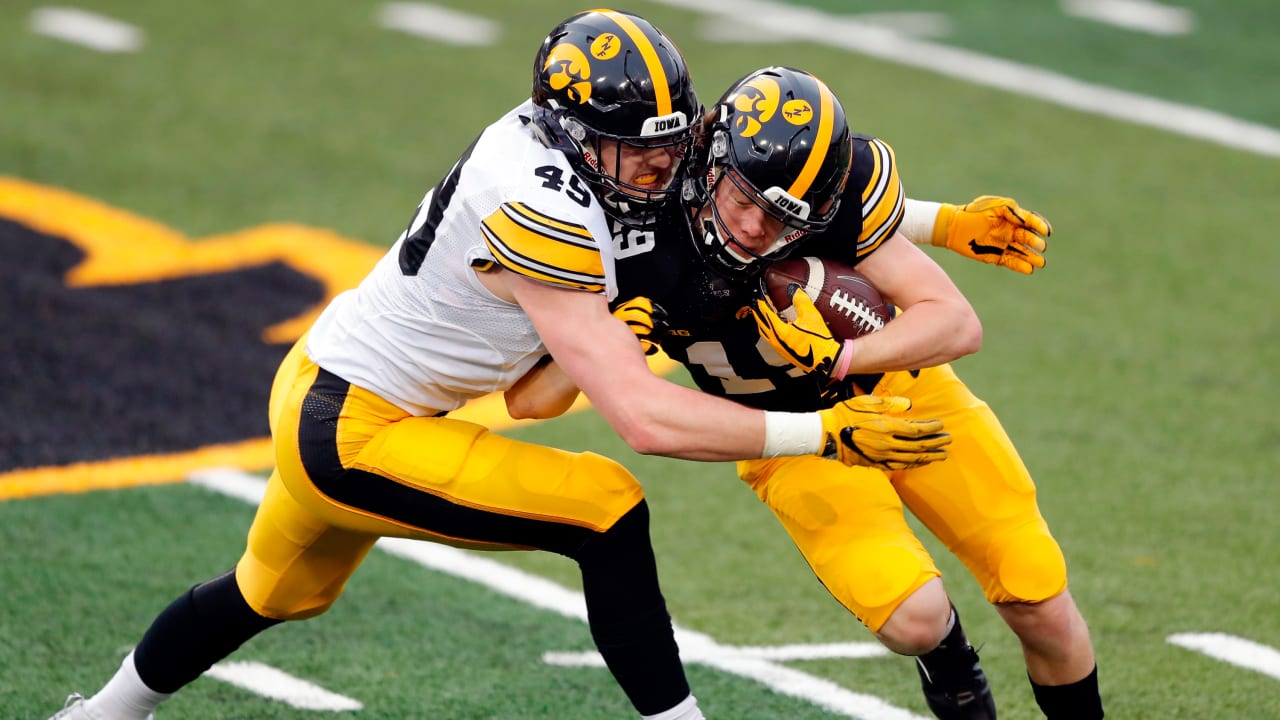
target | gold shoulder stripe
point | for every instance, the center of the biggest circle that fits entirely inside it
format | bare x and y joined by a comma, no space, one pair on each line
517,265
661,87
883,200
881,165
541,252
821,145
571,233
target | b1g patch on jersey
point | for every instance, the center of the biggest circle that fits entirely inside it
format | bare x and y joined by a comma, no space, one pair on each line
135,355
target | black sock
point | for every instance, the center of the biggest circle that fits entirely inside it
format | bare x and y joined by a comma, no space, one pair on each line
204,625
628,615
954,684
1079,700
953,652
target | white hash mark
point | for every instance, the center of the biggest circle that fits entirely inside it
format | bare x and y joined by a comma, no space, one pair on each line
1139,15
91,30
438,23
276,684
1231,649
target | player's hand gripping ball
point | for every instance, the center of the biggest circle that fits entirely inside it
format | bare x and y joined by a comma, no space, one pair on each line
849,304
813,309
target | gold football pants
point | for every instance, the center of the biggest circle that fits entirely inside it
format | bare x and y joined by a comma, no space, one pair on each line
848,522
351,467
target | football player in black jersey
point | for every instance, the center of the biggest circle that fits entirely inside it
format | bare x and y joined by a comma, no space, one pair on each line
781,174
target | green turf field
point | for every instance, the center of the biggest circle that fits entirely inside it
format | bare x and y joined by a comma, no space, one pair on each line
1137,373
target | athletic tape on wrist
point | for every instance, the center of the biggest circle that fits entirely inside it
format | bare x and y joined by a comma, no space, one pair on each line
918,219
789,433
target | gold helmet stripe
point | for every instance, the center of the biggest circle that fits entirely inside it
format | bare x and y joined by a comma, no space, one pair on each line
826,124
661,89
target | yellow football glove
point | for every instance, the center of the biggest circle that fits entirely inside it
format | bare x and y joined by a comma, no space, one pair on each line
863,431
805,342
994,230
638,313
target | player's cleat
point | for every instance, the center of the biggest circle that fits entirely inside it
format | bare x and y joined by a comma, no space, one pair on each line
960,692
74,709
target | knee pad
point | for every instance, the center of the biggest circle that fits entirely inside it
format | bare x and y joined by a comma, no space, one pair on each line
286,600
849,525
295,565
1029,566
592,491
610,477
278,603
871,580
472,467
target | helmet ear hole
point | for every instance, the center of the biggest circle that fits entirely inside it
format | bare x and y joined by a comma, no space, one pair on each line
719,145
573,127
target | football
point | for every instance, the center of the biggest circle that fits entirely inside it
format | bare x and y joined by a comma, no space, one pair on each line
850,304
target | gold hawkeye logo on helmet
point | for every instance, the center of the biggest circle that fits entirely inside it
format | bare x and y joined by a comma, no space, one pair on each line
568,69
758,101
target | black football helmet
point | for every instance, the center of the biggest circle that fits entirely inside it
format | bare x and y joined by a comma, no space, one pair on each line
605,75
781,137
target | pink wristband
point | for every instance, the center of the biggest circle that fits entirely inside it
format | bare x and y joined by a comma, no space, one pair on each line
843,361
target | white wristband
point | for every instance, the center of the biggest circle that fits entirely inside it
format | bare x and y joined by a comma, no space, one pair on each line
918,217
791,433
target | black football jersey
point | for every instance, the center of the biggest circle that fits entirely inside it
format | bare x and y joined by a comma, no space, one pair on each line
705,321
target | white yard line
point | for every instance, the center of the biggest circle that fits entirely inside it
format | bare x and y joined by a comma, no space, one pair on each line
276,684
1138,15
762,21
1231,649
914,24
752,663
780,653
91,30
847,33
438,23
820,651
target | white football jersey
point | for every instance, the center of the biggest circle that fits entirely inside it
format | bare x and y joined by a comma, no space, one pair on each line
420,330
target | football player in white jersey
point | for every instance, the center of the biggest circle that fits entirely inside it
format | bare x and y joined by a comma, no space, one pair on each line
507,261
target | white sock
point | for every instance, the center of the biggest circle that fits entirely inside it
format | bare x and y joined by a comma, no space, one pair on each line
686,710
125,696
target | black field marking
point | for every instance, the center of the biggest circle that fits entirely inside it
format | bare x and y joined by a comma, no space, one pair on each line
102,372
135,355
